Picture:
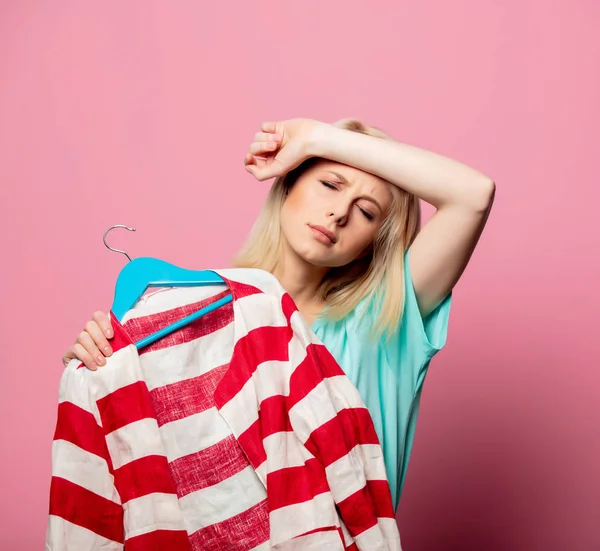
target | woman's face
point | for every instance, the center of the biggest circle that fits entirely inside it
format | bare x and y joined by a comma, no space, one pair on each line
333,213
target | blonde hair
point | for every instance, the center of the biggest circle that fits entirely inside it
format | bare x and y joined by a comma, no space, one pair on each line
377,276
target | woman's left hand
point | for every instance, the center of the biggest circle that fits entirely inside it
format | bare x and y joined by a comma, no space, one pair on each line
280,147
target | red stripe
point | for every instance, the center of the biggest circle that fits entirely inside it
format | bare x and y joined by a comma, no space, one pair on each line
274,416
79,427
296,484
382,498
139,328
125,405
335,438
86,509
288,306
259,345
352,547
240,290
184,398
358,512
207,467
252,443
241,532
144,476
314,368
321,356
160,540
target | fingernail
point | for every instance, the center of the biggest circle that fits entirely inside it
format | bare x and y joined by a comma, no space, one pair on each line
93,366
107,351
109,333
100,360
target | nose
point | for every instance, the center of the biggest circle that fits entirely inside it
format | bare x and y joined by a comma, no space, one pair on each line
340,218
339,210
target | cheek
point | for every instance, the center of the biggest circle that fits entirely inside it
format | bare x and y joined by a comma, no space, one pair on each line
298,205
359,239
292,216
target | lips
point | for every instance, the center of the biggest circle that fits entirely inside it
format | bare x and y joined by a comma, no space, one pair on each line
327,233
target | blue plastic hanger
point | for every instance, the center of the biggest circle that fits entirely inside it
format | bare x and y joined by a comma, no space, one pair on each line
141,273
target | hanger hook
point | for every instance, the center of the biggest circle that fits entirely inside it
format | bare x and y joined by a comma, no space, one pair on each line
110,248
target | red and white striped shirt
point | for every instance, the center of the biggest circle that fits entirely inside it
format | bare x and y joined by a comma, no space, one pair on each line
238,432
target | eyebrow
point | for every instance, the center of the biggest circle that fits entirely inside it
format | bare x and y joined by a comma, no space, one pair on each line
345,180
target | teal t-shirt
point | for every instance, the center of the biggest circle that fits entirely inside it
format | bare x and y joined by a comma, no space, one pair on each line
389,375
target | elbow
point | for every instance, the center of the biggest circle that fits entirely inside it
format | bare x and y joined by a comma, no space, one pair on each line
483,193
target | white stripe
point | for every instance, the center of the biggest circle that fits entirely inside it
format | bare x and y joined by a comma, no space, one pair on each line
332,395
285,450
261,279
270,379
184,361
121,369
300,518
242,410
62,534
302,330
74,388
261,472
351,471
318,541
348,540
313,411
391,533
266,546
373,538
194,433
297,352
135,440
141,514
343,393
224,500
257,311
84,469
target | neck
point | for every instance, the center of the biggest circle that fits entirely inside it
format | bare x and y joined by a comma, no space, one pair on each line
301,280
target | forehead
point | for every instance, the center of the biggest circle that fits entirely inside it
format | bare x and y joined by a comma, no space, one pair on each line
364,181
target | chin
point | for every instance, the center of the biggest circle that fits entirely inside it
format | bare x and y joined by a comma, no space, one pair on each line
316,254
317,258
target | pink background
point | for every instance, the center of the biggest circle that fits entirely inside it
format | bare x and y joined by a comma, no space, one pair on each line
140,113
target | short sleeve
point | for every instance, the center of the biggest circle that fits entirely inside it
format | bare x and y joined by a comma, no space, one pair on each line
432,331
419,339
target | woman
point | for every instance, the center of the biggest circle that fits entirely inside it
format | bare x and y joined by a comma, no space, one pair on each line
340,230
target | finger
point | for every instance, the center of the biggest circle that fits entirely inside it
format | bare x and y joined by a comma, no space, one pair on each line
267,137
90,347
251,169
255,171
261,173
249,159
98,336
68,356
82,355
256,148
268,126
103,320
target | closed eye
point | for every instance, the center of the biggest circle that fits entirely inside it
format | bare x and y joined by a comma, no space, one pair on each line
328,184
368,215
